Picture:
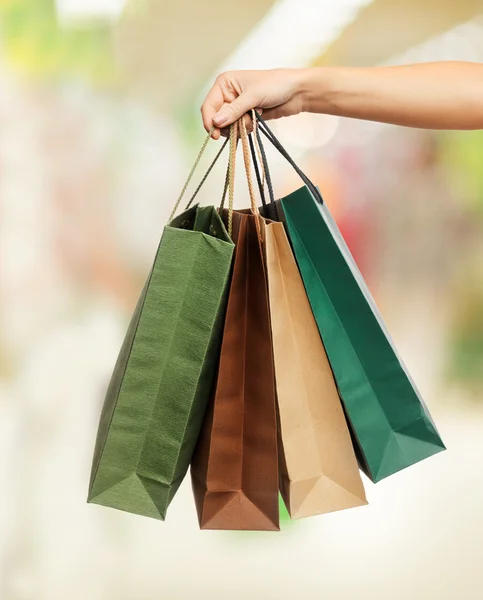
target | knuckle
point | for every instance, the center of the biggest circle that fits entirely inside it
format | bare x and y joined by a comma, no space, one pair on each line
231,108
222,77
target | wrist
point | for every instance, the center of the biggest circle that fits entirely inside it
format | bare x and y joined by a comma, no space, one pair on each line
317,89
299,87
304,89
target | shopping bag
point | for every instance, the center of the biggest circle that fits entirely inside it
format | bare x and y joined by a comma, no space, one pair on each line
157,396
318,468
391,426
235,466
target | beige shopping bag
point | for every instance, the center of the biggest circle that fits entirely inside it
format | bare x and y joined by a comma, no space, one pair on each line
318,468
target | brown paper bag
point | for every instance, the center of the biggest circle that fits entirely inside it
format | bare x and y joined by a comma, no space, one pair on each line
319,471
235,465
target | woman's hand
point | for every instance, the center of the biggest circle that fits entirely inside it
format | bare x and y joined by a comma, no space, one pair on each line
276,93
442,95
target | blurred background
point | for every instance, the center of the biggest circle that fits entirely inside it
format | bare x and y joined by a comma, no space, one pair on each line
99,124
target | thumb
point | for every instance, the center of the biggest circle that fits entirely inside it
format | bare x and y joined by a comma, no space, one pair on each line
235,110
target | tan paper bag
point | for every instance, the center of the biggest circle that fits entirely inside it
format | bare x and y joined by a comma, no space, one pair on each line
318,468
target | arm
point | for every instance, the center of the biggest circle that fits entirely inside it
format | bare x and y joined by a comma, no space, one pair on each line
444,95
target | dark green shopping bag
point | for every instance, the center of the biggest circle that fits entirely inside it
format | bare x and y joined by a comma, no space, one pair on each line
391,427
161,383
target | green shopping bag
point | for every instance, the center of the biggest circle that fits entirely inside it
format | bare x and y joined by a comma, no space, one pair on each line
391,427
159,390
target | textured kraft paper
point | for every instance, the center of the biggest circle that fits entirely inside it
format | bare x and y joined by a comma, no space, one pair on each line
235,466
162,381
391,426
318,467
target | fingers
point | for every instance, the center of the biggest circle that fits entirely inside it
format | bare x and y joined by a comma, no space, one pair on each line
225,131
212,104
223,106
229,113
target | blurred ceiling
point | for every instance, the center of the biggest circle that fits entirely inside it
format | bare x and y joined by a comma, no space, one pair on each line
75,10
387,28
167,48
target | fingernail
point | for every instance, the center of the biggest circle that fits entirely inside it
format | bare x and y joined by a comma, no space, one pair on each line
220,118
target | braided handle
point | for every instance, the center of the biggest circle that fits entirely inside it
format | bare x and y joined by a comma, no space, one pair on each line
231,175
205,176
268,133
247,162
192,172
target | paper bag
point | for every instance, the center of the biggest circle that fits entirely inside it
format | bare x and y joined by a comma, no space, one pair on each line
318,468
235,466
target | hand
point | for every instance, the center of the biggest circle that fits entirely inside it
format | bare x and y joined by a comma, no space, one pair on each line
277,93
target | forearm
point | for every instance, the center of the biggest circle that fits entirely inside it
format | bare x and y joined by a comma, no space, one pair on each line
445,95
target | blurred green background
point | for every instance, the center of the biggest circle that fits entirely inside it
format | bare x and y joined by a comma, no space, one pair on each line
99,123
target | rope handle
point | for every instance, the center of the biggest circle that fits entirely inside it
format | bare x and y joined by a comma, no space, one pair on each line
255,161
263,127
270,209
191,173
246,160
256,137
247,163
256,148
225,187
205,176
231,175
